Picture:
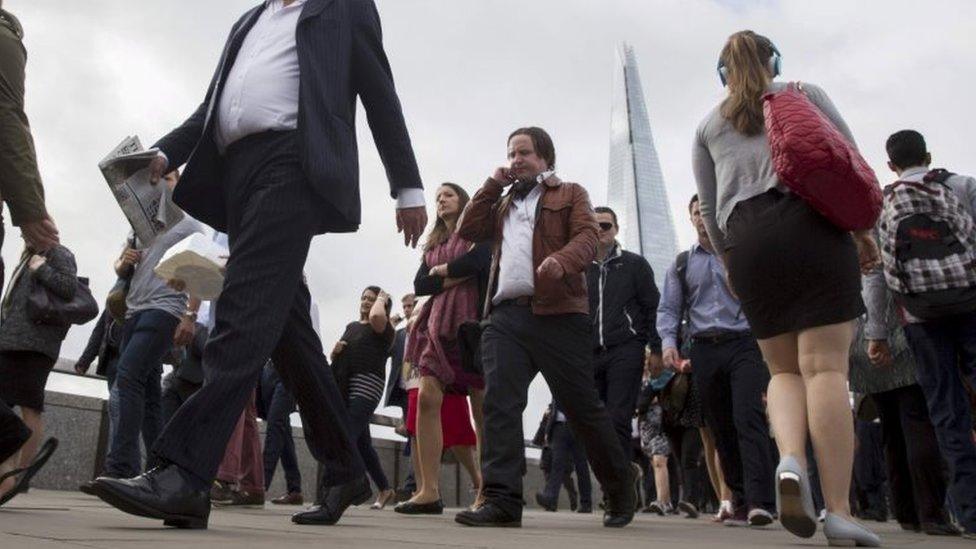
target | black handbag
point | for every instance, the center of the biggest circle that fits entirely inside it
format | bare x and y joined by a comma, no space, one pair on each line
43,307
469,341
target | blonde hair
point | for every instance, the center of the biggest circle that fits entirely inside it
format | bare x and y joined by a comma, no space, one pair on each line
746,57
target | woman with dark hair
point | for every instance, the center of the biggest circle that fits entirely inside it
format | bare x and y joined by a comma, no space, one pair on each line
798,278
29,349
359,365
455,273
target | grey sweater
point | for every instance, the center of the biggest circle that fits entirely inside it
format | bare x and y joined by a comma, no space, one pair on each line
20,333
731,167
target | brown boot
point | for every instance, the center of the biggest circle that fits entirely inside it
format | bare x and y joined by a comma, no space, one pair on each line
291,498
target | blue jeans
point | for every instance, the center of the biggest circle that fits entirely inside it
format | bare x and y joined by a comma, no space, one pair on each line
146,338
945,356
568,456
278,404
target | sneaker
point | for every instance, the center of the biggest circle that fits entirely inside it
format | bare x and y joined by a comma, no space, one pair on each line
688,509
759,518
724,511
657,508
221,492
243,498
739,518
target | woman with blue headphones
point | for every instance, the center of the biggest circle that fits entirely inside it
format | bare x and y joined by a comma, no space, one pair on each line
798,278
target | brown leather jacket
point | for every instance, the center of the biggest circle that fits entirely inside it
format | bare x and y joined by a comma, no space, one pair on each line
565,228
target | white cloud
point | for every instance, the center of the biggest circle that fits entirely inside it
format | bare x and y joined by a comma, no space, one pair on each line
468,72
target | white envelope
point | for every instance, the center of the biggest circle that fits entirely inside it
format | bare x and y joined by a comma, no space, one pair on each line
197,261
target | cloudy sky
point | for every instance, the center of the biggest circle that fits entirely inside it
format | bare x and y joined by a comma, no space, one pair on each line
468,72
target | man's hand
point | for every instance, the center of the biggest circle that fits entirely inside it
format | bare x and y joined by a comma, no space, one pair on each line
868,253
157,168
551,269
41,235
184,332
653,363
440,270
81,368
177,284
131,257
879,353
411,222
671,358
504,176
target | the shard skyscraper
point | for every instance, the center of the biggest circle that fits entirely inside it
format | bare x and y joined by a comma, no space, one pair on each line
636,190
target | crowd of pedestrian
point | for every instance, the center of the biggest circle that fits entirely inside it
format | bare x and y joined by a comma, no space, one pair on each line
810,359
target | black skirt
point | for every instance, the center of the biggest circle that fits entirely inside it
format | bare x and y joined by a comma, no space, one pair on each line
791,268
23,376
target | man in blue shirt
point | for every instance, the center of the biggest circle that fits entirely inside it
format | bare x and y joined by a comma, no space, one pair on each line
729,372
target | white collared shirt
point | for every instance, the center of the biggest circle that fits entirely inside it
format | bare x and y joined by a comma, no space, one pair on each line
261,89
516,270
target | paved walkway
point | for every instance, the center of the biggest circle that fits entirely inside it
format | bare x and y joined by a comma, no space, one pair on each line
63,520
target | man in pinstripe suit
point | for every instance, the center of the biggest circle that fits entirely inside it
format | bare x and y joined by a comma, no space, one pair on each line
271,160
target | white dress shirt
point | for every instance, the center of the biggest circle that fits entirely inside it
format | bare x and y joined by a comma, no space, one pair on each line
261,90
516,271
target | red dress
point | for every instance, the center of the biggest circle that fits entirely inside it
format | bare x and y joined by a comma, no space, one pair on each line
455,419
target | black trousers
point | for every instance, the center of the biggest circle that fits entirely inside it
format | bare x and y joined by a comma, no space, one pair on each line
911,450
618,372
263,311
686,445
13,431
869,472
517,345
732,378
568,457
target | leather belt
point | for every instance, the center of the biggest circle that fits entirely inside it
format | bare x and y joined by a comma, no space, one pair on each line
521,301
719,337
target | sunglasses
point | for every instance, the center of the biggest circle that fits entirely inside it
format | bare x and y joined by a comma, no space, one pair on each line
606,226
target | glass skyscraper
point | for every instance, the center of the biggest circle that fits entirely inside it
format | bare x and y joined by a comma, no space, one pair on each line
636,190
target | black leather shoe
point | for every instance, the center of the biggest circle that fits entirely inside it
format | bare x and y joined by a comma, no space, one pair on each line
488,515
585,509
545,503
620,506
940,529
411,508
165,493
87,487
337,499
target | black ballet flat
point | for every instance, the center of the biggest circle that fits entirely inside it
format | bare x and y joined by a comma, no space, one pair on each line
411,508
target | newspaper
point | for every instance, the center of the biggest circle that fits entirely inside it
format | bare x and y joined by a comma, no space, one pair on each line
197,261
149,208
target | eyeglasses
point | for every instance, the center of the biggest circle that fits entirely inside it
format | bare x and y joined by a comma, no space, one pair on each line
605,226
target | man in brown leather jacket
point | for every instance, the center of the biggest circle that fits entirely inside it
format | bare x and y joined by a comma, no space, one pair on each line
544,236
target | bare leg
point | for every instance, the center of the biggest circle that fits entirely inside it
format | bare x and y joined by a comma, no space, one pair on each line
786,396
430,439
477,397
5,468
466,457
415,461
35,421
661,480
823,353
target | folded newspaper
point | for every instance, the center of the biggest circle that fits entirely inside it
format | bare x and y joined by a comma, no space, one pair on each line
198,261
149,208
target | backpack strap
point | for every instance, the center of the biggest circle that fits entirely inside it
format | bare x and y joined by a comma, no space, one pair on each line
681,269
937,175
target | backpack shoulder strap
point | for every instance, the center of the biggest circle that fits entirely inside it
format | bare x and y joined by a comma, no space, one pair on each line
938,175
681,269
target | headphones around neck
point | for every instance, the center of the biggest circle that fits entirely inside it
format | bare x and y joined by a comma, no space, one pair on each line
775,62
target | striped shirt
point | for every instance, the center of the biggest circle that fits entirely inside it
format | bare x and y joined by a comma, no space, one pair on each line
360,368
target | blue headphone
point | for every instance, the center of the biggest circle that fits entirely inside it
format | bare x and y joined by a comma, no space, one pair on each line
775,62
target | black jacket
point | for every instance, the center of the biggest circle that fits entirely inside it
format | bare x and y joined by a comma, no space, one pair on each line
476,263
395,395
341,57
623,300
103,344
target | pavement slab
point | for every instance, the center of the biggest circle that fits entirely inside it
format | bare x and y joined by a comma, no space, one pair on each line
48,519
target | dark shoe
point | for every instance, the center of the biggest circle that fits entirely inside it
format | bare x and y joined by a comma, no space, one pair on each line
243,499
411,508
688,509
337,500
910,527
655,508
738,518
165,493
221,492
939,529
291,498
488,515
25,475
759,518
545,502
87,487
585,509
621,507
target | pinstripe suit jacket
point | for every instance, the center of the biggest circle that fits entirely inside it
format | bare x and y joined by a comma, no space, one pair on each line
340,57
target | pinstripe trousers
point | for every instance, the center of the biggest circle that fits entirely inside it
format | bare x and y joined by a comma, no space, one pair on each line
263,311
